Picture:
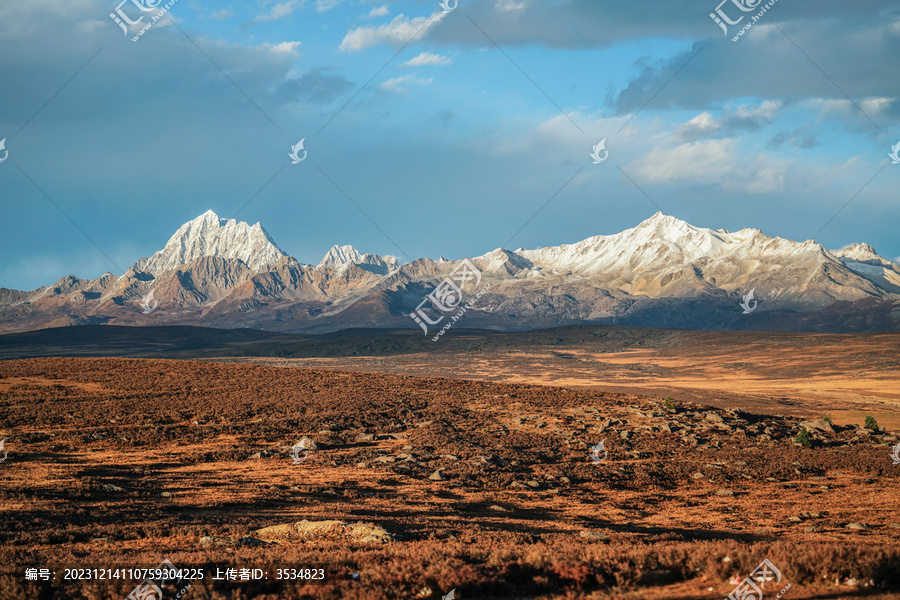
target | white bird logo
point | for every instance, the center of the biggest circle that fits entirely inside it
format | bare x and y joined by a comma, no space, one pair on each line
748,308
145,303
296,159
2,447
596,450
450,596
445,4
895,153
596,153
3,147
295,452
894,455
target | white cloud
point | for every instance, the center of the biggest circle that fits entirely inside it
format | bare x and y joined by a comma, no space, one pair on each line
326,5
399,31
426,58
873,107
378,11
282,48
711,162
221,15
279,11
745,117
395,84
508,5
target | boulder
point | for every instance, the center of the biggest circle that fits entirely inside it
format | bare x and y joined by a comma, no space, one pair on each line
304,530
817,426
306,443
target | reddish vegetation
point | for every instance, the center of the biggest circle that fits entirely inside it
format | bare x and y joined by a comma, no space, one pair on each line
126,462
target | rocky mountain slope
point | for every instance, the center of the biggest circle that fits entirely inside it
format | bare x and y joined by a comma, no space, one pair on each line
662,273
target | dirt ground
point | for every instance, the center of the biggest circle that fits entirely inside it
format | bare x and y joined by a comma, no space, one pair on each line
807,375
494,490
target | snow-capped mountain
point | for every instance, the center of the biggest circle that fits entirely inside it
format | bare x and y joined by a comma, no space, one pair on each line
339,257
209,235
664,273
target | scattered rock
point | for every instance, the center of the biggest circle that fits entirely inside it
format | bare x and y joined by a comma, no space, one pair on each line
565,480
533,484
306,443
594,535
108,487
857,526
810,529
365,437
211,541
698,475
713,417
726,493
166,494
262,454
437,476
333,530
817,426
496,507
794,519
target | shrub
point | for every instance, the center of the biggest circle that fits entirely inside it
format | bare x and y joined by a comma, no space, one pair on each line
669,403
828,420
803,438
871,423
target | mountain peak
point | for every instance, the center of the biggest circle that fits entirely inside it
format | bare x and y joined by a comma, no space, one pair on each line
663,221
339,256
210,235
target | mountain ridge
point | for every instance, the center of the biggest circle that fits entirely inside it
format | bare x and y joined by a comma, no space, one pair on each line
662,272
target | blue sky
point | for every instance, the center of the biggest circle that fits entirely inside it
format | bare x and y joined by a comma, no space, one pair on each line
463,134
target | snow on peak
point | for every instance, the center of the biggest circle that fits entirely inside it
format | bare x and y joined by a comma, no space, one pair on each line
664,244
858,252
210,235
339,256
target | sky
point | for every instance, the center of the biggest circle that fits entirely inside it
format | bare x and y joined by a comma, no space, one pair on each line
429,131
